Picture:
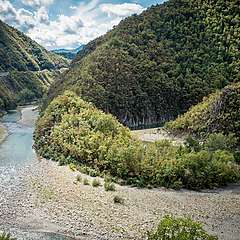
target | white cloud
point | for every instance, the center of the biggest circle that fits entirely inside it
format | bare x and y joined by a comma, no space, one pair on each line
73,7
41,15
89,20
37,3
22,18
122,10
7,11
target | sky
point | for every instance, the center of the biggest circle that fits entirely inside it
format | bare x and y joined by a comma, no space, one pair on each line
68,23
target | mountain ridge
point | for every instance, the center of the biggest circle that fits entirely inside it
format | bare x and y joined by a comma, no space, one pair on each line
68,53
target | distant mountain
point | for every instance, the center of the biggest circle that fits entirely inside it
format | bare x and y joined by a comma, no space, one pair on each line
68,53
154,66
26,68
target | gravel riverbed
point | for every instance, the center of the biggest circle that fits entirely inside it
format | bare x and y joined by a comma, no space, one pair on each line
45,197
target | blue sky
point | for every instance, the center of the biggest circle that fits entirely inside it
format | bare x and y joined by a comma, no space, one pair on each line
68,23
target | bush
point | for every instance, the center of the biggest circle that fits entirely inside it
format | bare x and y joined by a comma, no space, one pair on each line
6,236
73,167
118,199
96,182
79,178
109,186
85,181
171,228
218,141
192,144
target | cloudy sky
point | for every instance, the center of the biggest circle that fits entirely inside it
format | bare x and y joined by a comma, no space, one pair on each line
68,23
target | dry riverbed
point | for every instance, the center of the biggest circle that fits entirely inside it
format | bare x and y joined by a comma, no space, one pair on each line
45,197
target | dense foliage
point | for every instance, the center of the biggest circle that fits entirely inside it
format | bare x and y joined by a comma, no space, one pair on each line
74,131
171,228
18,87
26,68
219,112
152,67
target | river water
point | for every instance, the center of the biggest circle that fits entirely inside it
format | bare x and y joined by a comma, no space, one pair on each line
16,153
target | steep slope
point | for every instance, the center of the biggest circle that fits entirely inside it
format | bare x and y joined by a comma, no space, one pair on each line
19,52
26,68
152,67
217,113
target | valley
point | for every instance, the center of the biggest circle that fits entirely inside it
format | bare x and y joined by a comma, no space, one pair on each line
119,120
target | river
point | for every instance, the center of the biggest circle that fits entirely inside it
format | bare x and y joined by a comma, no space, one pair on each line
16,153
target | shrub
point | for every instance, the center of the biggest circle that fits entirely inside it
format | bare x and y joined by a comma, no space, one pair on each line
118,199
96,182
6,236
109,186
85,181
72,166
192,144
79,178
171,228
218,141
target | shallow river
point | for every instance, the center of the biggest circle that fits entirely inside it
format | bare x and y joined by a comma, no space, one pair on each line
16,153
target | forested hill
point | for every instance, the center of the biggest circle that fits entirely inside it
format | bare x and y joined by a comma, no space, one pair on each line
19,52
217,113
152,67
26,68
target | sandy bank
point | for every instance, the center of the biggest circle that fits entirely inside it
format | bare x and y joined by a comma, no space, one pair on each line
156,134
28,115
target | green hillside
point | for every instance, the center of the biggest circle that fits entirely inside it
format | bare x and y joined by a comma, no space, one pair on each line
154,66
26,68
217,113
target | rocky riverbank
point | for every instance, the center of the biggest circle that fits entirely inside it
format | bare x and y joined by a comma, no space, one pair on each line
45,198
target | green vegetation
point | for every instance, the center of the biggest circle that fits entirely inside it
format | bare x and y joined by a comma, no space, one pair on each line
79,178
6,236
154,66
85,181
96,182
118,199
73,167
26,68
72,130
21,53
171,228
218,113
109,186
